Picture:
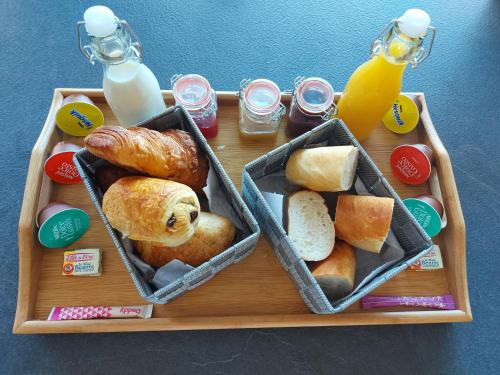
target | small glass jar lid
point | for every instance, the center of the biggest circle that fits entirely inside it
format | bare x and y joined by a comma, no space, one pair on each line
191,91
261,96
314,95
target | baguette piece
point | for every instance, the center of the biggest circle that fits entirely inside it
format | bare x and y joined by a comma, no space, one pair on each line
336,273
329,168
213,235
151,209
309,225
171,155
363,221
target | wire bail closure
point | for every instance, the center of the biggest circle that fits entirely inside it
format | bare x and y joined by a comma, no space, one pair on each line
88,51
243,85
174,79
328,113
419,57
276,116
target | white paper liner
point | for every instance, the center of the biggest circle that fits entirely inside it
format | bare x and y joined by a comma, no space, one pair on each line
175,269
273,188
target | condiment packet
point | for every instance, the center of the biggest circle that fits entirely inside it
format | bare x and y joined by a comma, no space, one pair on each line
446,302
100,312
84,262
431,261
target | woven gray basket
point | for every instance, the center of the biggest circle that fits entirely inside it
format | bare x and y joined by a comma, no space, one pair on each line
414,241
246,239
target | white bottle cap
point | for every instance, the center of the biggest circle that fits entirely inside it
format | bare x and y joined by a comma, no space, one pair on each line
414,23
100,21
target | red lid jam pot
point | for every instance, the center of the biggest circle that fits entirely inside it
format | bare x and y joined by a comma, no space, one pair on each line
412,163
61,224
60,167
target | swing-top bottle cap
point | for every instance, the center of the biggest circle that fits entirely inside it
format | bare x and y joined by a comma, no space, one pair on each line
414,23
100,21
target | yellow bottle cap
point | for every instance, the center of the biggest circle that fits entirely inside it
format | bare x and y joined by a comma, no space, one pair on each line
78,116
403,116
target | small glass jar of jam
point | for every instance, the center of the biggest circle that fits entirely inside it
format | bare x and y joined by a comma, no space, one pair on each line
260,107
312,104
194,93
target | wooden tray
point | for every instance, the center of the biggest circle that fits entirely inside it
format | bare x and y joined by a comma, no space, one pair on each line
254,293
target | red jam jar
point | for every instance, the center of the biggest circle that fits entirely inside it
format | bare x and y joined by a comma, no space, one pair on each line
312,104
194,93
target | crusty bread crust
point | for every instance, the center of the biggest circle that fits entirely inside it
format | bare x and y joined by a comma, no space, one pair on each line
213,235
363,221
336,273
172,154
151,209
330,168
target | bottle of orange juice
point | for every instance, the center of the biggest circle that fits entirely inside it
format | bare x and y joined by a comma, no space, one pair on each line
376,84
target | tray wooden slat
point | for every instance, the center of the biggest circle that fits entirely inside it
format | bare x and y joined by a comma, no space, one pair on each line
254,293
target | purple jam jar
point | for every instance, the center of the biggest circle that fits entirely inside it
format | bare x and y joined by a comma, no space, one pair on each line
311,105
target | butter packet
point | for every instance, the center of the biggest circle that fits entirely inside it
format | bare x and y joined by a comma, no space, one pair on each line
431,261
83,262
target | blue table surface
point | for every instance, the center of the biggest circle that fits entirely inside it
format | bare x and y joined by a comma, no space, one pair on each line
226,41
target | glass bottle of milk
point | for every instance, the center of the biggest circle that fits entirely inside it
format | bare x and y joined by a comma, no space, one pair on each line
131,89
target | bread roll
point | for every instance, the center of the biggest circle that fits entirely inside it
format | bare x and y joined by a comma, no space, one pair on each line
150,209
336,273
363,221
309,225
213,235
323,168
172,154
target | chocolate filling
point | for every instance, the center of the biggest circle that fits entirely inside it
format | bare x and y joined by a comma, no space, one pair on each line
171,221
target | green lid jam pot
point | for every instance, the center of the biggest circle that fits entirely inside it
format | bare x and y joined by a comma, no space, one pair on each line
60,167
78,116
422,208
412,164
61,225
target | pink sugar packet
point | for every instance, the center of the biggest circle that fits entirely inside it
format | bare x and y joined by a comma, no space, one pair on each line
100,312
446,302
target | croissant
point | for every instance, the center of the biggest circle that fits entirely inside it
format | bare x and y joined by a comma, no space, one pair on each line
151,209
213,235
172,154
